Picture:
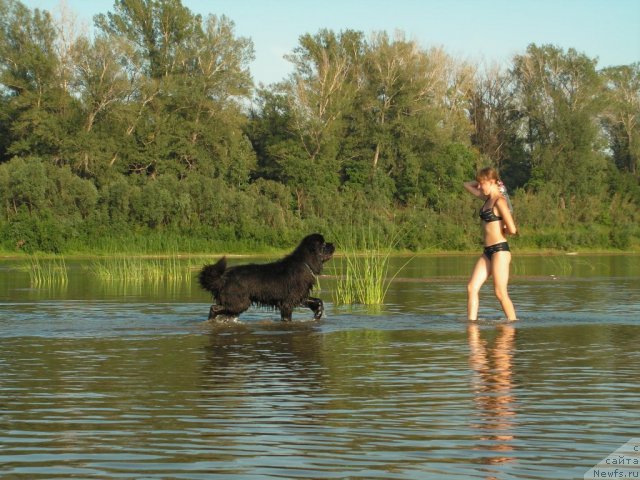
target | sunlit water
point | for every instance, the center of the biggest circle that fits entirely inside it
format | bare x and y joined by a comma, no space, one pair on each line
103,381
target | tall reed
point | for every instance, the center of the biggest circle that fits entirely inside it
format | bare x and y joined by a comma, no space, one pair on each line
362,267
138,269
47,272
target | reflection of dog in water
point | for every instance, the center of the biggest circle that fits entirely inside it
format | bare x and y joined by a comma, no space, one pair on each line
284,284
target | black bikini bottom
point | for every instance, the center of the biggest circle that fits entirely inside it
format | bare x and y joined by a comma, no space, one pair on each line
498,247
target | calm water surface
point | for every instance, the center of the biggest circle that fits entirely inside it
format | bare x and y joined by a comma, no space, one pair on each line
106,380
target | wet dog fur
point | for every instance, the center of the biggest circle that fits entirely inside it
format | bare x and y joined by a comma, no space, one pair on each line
284,284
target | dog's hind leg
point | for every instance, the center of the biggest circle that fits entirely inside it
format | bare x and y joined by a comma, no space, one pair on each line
230,303
316,305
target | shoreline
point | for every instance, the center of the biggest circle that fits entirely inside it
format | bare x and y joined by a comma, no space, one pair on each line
399,253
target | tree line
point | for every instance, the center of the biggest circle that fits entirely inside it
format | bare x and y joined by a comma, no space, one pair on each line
150,133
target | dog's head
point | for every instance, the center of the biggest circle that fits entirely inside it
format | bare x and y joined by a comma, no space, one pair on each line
316,251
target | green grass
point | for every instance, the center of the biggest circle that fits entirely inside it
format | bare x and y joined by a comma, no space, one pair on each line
49,272
362,268
171,269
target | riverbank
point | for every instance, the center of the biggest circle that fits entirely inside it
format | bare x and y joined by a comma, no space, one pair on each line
16,255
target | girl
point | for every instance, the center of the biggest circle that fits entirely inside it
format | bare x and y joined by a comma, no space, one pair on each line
496,222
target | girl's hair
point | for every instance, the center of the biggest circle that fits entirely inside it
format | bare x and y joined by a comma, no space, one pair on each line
490,173
487,173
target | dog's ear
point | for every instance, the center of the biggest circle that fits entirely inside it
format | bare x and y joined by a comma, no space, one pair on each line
313,242
319,243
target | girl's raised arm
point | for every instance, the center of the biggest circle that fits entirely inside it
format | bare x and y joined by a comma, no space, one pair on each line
472,188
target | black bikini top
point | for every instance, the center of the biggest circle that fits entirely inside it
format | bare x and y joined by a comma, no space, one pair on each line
488,215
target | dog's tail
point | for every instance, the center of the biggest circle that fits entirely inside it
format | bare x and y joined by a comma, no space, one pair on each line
210,277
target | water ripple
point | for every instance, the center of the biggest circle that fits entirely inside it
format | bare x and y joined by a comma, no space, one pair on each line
106,389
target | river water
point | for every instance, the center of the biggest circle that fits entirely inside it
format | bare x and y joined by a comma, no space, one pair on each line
106,380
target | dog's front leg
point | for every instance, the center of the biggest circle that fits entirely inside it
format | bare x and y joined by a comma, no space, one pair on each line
214,311
285,314
316,305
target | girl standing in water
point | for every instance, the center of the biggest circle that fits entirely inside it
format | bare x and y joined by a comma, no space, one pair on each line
496,221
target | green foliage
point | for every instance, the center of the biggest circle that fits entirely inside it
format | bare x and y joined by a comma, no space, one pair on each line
621,116
445,171
561,96
25,185
141,138
35,233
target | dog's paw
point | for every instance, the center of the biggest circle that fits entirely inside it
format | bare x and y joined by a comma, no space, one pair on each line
224,320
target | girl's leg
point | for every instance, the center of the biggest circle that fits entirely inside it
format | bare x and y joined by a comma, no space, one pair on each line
500,270
479,275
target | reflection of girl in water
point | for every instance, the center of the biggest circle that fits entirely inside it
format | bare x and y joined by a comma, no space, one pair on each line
497,221
493,388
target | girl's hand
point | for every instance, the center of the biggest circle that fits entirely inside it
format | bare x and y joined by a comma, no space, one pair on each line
508,225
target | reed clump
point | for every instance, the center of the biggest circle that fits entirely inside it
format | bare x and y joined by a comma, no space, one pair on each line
47,272
362,268
139,270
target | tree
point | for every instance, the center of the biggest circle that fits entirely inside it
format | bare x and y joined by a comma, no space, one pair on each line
186,113
559,99
415,102
40,112
159,29
621,117
496,122
319,94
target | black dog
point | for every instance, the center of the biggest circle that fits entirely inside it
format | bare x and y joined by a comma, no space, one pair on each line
284,284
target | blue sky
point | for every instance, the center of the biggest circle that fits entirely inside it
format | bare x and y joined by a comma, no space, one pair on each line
483,31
